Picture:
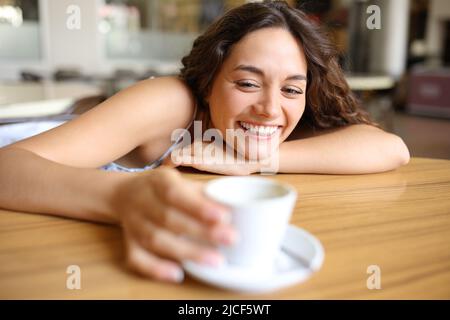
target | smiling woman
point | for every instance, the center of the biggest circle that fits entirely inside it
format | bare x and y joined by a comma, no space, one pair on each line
266,66
262,69
330,101
260,88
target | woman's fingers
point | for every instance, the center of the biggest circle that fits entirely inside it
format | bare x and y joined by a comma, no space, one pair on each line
194,156
169,218
187,196
183,224
147,264
166,244
191,200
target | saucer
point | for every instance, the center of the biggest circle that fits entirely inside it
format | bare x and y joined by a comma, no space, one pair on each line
301,254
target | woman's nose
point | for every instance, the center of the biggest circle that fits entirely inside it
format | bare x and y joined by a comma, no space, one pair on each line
269,106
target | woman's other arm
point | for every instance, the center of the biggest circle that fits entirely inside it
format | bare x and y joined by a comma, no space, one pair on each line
355,149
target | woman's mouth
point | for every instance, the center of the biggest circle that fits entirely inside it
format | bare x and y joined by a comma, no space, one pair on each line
259,131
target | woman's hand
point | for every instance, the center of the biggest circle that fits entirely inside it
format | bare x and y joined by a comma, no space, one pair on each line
202,156
166,219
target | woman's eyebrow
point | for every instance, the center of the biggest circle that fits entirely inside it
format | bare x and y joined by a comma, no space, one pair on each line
259,72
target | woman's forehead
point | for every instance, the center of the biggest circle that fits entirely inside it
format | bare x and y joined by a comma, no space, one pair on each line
268,48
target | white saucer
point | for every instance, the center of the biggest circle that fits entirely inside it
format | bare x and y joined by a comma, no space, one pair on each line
301,255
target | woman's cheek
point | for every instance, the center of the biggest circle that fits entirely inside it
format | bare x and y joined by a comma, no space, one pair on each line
295,110
236,104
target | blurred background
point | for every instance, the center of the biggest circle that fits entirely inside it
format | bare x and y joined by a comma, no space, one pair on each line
58,58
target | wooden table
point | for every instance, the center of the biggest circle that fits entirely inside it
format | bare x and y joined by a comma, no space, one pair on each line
399,221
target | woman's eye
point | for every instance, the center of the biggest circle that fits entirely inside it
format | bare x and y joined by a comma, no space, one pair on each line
246,84
293,91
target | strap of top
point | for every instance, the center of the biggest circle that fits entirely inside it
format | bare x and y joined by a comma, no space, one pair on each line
117,167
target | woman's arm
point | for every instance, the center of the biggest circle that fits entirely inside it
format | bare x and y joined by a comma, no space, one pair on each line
141,115
44,173
355,149
55,173
152,207
31,183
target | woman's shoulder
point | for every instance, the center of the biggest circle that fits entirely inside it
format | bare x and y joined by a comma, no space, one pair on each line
169,83
165,102
144,114
169,92
170,106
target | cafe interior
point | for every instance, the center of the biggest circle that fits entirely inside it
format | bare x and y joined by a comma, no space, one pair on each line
368,236
61,58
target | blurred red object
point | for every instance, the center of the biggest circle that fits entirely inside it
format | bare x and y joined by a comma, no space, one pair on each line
429,93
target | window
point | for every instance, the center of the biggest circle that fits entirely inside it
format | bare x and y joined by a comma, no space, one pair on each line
156,29
19,31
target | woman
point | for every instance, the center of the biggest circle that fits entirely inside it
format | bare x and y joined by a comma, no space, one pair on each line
262,68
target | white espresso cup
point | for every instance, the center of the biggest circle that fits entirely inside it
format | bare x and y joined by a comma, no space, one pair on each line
260,212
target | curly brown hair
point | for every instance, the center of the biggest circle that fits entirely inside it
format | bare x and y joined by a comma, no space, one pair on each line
329,100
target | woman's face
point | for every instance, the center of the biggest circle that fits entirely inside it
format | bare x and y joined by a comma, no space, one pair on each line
260,89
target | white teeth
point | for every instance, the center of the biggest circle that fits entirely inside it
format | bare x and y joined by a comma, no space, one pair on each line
259,130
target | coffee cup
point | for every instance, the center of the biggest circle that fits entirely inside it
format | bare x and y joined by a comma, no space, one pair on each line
260,212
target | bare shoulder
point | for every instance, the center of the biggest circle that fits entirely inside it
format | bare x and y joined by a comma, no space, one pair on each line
165,97
166,100
146,111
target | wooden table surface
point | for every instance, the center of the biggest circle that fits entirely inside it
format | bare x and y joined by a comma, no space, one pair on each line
398,221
